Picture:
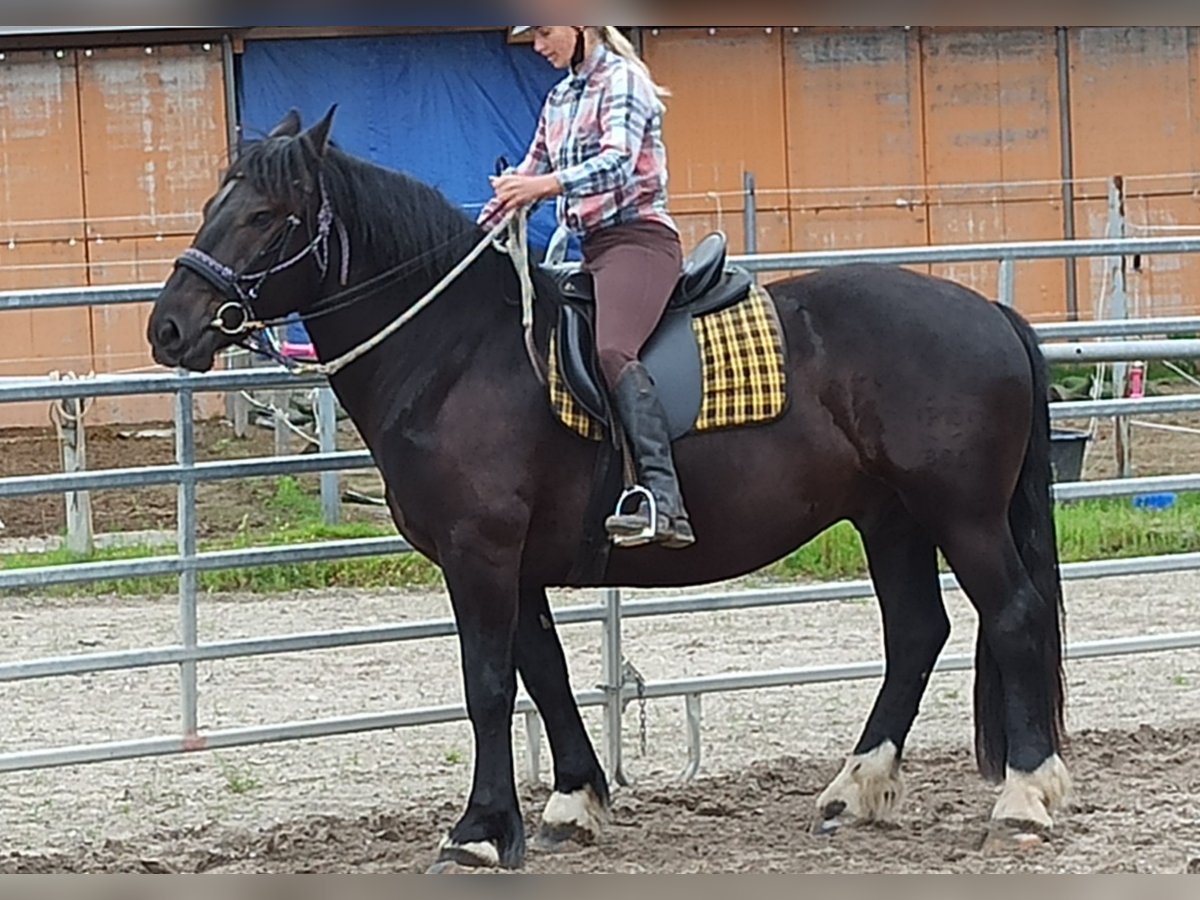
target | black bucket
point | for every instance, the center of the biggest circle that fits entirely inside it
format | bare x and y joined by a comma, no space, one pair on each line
1066,453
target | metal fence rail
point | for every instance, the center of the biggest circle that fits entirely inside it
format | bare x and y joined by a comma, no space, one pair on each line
615,691
87,663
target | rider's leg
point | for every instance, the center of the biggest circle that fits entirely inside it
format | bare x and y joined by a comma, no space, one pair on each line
635,268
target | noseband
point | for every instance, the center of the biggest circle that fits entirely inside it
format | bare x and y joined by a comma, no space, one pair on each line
235,317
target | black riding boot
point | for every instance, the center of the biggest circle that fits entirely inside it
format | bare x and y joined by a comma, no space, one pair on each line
636,402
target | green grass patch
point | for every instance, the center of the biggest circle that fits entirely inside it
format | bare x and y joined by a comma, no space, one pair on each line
1090,529
1087,529
395,570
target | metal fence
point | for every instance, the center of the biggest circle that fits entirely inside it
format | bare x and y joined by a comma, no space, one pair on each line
617,688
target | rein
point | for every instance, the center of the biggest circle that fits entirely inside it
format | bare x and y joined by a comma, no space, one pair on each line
235,317
335,365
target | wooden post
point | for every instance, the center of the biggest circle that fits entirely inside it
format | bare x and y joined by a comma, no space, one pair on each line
72,438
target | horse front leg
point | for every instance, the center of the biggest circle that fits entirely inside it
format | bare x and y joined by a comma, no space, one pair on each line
483,592
578,808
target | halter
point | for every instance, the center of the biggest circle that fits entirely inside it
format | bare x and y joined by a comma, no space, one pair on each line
235,317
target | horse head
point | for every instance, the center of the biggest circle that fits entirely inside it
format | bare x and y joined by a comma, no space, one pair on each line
262,250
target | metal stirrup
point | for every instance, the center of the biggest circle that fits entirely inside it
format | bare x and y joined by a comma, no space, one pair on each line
647,534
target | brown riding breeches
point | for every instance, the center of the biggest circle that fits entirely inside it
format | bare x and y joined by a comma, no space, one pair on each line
635,268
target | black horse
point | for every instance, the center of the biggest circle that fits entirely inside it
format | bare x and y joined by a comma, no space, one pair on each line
917,411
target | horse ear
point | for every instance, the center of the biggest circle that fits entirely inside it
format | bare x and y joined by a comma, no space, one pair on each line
289,125
318,135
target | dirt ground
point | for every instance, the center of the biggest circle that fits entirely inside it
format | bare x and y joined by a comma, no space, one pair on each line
224,507
379,801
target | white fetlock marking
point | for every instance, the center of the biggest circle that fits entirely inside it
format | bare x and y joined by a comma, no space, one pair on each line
581,809
484,851
869,784
1032,796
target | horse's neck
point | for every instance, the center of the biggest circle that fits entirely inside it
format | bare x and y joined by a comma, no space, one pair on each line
407,375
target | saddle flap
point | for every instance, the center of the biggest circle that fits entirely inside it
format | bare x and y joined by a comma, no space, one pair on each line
577,362
671,356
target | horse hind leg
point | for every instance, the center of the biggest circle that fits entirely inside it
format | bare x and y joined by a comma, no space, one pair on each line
903,564
1017,692
578,808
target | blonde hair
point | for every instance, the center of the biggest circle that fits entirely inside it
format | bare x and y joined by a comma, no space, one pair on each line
612,38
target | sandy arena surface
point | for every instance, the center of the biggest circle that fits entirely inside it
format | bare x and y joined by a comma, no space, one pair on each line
379,801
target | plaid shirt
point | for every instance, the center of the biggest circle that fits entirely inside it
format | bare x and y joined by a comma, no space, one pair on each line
600,132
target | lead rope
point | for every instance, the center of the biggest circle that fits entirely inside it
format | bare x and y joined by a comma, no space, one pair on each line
518,251
517,248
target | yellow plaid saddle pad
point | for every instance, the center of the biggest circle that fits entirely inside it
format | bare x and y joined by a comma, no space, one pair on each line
742,369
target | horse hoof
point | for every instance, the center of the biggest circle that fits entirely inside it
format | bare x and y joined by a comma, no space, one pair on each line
554,838
825,827
1012,835
578,817
473,855
445,867
830,818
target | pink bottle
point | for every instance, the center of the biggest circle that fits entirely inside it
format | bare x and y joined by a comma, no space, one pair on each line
1137,380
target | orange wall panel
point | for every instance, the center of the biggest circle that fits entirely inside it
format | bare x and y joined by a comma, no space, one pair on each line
119,332
41,198
1163,285
153,137
858,229
1134,95
726,116
131,141
854,117
992,110
37,342
773,230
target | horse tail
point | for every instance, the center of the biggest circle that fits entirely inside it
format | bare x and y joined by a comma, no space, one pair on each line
1031,520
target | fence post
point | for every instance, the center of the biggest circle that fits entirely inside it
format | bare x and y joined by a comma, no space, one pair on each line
692,713
750,213
614,680
185,456
279,418
325,417
533,747
1006,290
237,409
72,439
1119,310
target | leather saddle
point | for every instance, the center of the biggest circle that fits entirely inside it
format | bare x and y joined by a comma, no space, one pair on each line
707,284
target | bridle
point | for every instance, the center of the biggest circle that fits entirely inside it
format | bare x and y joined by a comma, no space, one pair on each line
235,317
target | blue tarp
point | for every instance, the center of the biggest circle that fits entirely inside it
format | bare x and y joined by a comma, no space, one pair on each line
441,107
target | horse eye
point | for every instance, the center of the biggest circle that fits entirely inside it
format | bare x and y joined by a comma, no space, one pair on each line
262,218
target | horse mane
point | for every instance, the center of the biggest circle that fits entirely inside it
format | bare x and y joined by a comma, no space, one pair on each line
389,215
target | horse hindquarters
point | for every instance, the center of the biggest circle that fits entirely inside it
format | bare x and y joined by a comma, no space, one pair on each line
1008,565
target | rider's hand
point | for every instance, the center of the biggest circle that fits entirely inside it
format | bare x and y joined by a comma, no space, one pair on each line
515,191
